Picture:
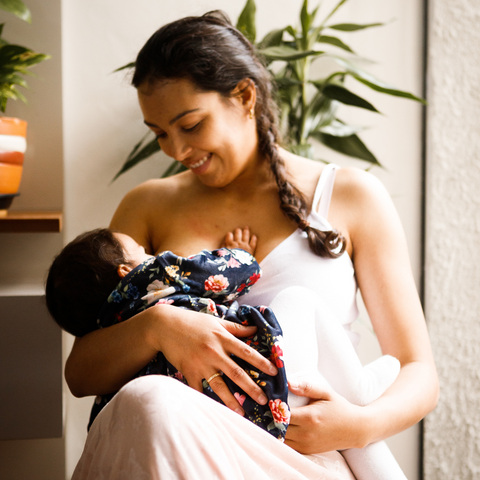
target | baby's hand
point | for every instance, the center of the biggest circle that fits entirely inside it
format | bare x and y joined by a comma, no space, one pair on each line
241,239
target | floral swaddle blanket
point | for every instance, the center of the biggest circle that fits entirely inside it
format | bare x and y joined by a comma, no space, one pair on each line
208,282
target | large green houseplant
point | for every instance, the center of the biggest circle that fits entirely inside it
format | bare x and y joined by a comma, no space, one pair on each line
308,106
15,62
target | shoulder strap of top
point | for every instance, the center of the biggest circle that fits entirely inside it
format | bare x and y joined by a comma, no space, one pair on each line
323,192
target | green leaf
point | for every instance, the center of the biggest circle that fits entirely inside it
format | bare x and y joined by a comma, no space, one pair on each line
17,80
390,90
18,95
305,19
138,154
10,51
291,31
246,21
345,96
272,39
351,146
18,8
334,41
320,111
287,53
304,150
283,82
128,65
33,58
374,83
340,129
353,27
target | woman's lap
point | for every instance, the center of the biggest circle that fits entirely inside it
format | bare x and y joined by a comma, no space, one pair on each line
157,428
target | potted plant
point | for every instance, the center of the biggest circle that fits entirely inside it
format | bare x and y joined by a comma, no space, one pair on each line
15,62
308,106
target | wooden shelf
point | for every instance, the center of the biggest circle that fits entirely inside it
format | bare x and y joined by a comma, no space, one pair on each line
31,222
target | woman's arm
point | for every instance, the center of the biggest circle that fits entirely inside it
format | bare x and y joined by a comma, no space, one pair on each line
385,279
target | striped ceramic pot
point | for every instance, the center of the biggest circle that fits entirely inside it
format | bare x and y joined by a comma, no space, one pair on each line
13,144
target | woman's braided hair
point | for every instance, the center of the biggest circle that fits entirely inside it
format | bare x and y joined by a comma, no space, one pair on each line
215,56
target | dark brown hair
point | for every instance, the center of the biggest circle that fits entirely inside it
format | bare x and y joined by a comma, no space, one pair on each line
81,278
215,56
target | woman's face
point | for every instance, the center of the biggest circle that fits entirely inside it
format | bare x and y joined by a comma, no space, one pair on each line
213,136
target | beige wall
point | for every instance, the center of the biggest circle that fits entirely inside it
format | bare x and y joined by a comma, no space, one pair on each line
101,122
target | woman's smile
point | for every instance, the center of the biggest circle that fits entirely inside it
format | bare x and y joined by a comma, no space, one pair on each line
196,167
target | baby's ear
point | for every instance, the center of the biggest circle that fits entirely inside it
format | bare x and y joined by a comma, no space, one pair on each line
123,270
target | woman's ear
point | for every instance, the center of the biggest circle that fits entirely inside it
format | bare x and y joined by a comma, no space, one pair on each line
246,92
123,270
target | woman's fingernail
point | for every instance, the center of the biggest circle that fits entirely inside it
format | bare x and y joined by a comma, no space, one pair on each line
262,399
273,370
293,384
240,411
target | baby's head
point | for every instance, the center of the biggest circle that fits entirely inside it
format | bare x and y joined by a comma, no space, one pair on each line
84,274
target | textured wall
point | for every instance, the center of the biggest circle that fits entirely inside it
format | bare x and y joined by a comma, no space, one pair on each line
452,431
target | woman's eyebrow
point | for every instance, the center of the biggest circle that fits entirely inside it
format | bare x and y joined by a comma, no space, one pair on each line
180,115
171,122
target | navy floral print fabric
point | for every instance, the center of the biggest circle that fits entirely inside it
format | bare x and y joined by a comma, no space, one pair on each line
208,282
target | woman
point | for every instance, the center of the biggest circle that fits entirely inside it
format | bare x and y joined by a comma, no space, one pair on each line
208,100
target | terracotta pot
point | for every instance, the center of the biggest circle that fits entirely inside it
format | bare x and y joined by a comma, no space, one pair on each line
13,144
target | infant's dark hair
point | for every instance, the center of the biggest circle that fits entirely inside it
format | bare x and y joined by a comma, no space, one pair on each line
81,278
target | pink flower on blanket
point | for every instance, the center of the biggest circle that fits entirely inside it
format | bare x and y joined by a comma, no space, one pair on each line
216,283
232,263
280,411
276,356
164,301
211,306
240,398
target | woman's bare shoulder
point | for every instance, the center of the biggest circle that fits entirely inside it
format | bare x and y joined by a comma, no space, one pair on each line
153,197
364,208
355,184
157,191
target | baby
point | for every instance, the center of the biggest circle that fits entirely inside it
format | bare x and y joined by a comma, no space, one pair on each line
103,277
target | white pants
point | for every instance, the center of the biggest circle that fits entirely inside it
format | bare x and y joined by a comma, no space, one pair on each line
158,428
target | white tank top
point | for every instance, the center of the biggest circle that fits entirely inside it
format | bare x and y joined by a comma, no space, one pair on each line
292,263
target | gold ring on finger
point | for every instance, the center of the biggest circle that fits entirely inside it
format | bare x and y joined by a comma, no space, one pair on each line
218,374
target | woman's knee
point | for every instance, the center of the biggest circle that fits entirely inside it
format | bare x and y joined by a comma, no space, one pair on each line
145,395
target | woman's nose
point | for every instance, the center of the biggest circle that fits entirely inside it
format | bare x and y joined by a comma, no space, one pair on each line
180,150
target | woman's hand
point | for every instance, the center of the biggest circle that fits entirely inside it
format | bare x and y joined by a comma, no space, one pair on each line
328,423
199,347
